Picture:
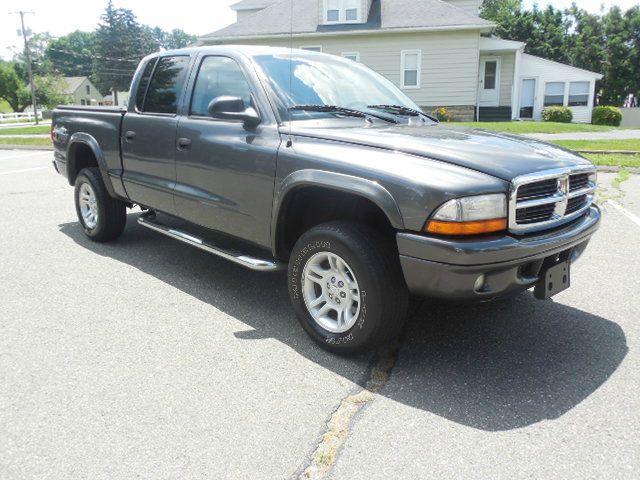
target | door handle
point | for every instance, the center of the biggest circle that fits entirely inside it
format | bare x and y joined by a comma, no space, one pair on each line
129,136
184,143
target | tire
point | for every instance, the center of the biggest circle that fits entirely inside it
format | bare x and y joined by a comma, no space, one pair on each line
91,197
375,314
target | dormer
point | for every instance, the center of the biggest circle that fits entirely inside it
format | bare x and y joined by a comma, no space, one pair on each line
334,12
246,8
472,7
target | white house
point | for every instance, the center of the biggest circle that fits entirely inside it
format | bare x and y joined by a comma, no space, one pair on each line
440,52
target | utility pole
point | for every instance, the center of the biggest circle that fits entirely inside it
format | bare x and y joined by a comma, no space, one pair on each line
27,54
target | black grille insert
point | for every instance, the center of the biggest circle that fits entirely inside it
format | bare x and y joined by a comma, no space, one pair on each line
544,188
539,213
578,181
576,204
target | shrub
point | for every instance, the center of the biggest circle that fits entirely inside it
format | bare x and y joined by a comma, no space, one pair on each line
442,114
557,114
605,115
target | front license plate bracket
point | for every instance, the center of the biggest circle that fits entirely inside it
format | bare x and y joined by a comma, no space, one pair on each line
553,280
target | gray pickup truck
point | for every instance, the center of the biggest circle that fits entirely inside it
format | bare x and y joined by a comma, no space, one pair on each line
278,158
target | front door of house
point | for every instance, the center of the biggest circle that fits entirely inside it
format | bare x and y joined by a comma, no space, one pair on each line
489,81
527,98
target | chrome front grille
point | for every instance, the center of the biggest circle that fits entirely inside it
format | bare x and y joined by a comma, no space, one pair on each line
548,199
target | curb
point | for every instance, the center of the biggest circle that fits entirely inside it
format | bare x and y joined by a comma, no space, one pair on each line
609,152
6,146
612,169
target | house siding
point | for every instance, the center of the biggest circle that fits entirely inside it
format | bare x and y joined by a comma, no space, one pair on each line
93,98
507,65
449,62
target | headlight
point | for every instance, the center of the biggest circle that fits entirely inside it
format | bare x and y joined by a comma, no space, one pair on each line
470,215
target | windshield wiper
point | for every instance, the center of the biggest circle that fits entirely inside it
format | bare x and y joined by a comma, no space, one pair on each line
402,110
343,110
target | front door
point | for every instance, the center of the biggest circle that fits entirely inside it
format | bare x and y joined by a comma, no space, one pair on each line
149,134
527,98
489,81
224,171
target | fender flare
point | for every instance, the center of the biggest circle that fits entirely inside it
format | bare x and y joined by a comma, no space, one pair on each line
93,144
359,186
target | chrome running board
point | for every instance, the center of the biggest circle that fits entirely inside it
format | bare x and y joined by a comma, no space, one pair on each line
148,220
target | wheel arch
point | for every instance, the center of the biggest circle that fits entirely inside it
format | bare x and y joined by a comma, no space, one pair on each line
83,151
350,185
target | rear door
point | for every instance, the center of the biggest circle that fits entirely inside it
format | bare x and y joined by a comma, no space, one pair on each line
225,171
149,133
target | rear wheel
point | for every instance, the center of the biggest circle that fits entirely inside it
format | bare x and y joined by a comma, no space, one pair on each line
346,287
102,217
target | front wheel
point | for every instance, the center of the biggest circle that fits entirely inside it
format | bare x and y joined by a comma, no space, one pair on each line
102,217
346,286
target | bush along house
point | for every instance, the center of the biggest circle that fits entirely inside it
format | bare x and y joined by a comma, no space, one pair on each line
440,53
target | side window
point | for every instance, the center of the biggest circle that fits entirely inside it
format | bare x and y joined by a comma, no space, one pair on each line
166,85
218,76
144,83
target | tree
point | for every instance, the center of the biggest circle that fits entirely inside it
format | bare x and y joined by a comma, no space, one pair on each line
73,54
12,88
618,73
49,90
40,62
178,39
120,44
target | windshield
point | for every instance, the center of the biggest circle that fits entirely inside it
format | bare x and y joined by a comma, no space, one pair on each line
302,78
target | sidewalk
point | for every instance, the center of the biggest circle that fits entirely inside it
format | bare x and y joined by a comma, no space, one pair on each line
610,135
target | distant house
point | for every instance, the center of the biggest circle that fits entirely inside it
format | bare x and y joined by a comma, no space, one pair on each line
439,52
81,91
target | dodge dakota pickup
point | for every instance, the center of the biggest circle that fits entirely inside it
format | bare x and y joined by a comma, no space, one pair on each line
290,159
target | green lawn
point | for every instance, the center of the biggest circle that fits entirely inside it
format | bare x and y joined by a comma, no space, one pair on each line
26,130
633,145
537,127
614,160
25,141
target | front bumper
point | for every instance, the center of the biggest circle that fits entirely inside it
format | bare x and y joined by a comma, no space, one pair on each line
449,268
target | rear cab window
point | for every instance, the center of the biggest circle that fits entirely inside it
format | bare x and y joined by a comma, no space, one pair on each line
165,86
144,83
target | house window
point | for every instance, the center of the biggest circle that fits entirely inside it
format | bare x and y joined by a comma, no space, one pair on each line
88,90
554,94
342,11
82,102
353,56
411,68
312,48
579,94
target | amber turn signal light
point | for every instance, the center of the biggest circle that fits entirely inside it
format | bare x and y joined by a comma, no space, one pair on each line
467,228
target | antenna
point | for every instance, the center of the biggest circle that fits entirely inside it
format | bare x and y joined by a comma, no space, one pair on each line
28,55
289,141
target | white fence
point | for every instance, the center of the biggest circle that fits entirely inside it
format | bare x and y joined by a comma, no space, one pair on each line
17,117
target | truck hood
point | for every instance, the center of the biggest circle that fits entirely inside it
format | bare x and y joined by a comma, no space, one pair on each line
501,155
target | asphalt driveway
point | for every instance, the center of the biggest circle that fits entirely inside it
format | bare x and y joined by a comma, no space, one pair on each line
146,358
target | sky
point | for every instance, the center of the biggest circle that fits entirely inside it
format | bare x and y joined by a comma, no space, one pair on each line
194,16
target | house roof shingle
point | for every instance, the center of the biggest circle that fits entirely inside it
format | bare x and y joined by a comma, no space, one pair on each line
275,19
71,84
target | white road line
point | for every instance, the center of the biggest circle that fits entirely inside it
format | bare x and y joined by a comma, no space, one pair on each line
32,154
25,170
633,217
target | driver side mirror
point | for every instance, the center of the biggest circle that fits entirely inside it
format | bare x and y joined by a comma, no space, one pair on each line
233,108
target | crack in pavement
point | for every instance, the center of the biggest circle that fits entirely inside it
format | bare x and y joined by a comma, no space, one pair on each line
338,426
